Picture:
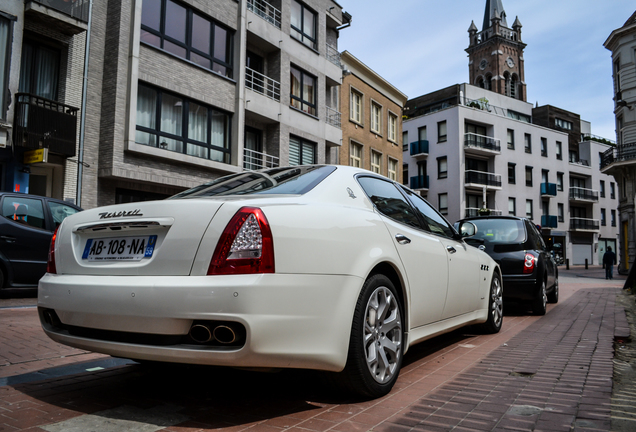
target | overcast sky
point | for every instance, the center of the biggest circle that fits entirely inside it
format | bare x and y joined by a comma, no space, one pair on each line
418,46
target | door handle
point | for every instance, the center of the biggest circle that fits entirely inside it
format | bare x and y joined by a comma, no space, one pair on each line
451,249
8,239
402,239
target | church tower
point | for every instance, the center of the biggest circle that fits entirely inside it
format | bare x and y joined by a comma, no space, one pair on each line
496,53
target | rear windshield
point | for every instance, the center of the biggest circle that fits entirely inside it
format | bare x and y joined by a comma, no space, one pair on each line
499,231
282,181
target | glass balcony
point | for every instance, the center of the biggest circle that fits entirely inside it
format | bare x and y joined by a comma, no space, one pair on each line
549,221
548,189
582,194
419,148
77,9
419,182
482,142
481,178
44,123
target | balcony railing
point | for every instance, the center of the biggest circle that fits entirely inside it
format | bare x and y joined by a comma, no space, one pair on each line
419,182
483,178
262,84
584,224
333,117
265,10
484,105
548,189
474,212
77,9
576,161
549,221
620,153
44,123
582,194
473,140
253,160
419,147
333,55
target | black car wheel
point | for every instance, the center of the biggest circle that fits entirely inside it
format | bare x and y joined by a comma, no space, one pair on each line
540,303
553,297
495,306
376,343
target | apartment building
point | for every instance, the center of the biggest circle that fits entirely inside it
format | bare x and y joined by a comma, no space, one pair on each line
42,60
472,151
620,161
372,127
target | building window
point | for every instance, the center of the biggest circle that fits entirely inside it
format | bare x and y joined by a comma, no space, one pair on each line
355,110
529,209
405,141
559,150
442,167
443,203
544,147
376,161
563,124
178,124
613,217
528,176
512,176
559,181
185,33
512,206
303,91
612,191
405,174
393,122
602,189
303,24
301,151
441,131
561,212
376,118
603,221
392,169
355,155
5,58
528,143
511,139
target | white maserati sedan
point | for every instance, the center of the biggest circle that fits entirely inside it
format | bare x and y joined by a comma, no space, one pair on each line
320,267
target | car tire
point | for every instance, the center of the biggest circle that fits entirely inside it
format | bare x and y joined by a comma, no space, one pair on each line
376,342
495,306
540,303
553,297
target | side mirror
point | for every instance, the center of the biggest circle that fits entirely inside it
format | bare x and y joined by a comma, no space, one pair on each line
467,229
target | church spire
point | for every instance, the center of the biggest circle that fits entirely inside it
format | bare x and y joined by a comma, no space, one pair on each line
494,9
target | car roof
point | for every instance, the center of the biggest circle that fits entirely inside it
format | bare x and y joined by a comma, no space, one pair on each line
24,195
472,218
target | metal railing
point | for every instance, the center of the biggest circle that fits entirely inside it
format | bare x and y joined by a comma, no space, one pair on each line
483,178
484,105
473,140
584,224
265,10
253,160
590,137
41,122
583,162
419,182
333,55
578,193
419,147
333,117
77,9
620,153
262,84
474,212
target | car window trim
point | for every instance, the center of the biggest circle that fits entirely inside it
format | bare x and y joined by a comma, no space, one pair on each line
455,236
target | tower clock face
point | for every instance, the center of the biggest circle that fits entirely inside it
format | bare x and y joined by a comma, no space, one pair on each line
483,64
510,62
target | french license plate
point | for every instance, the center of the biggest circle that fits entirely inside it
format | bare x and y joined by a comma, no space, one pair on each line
119,248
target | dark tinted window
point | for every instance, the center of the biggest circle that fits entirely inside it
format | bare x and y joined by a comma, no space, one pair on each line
285,181
389,201
436,222
536,238
499,231
25,211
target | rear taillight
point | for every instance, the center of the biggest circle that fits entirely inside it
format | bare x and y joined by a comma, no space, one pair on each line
529,263
246,245
50,264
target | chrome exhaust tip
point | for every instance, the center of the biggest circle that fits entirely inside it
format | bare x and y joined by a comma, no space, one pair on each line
224,334
200,333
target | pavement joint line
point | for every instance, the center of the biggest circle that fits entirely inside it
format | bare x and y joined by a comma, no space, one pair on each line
18,307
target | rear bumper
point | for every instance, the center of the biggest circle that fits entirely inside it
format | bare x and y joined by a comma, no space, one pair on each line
292,321
520,287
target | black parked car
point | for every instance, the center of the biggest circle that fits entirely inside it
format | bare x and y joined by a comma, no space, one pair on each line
26,227
530,273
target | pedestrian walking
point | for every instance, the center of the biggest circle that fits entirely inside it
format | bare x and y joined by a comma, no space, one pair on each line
609,259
